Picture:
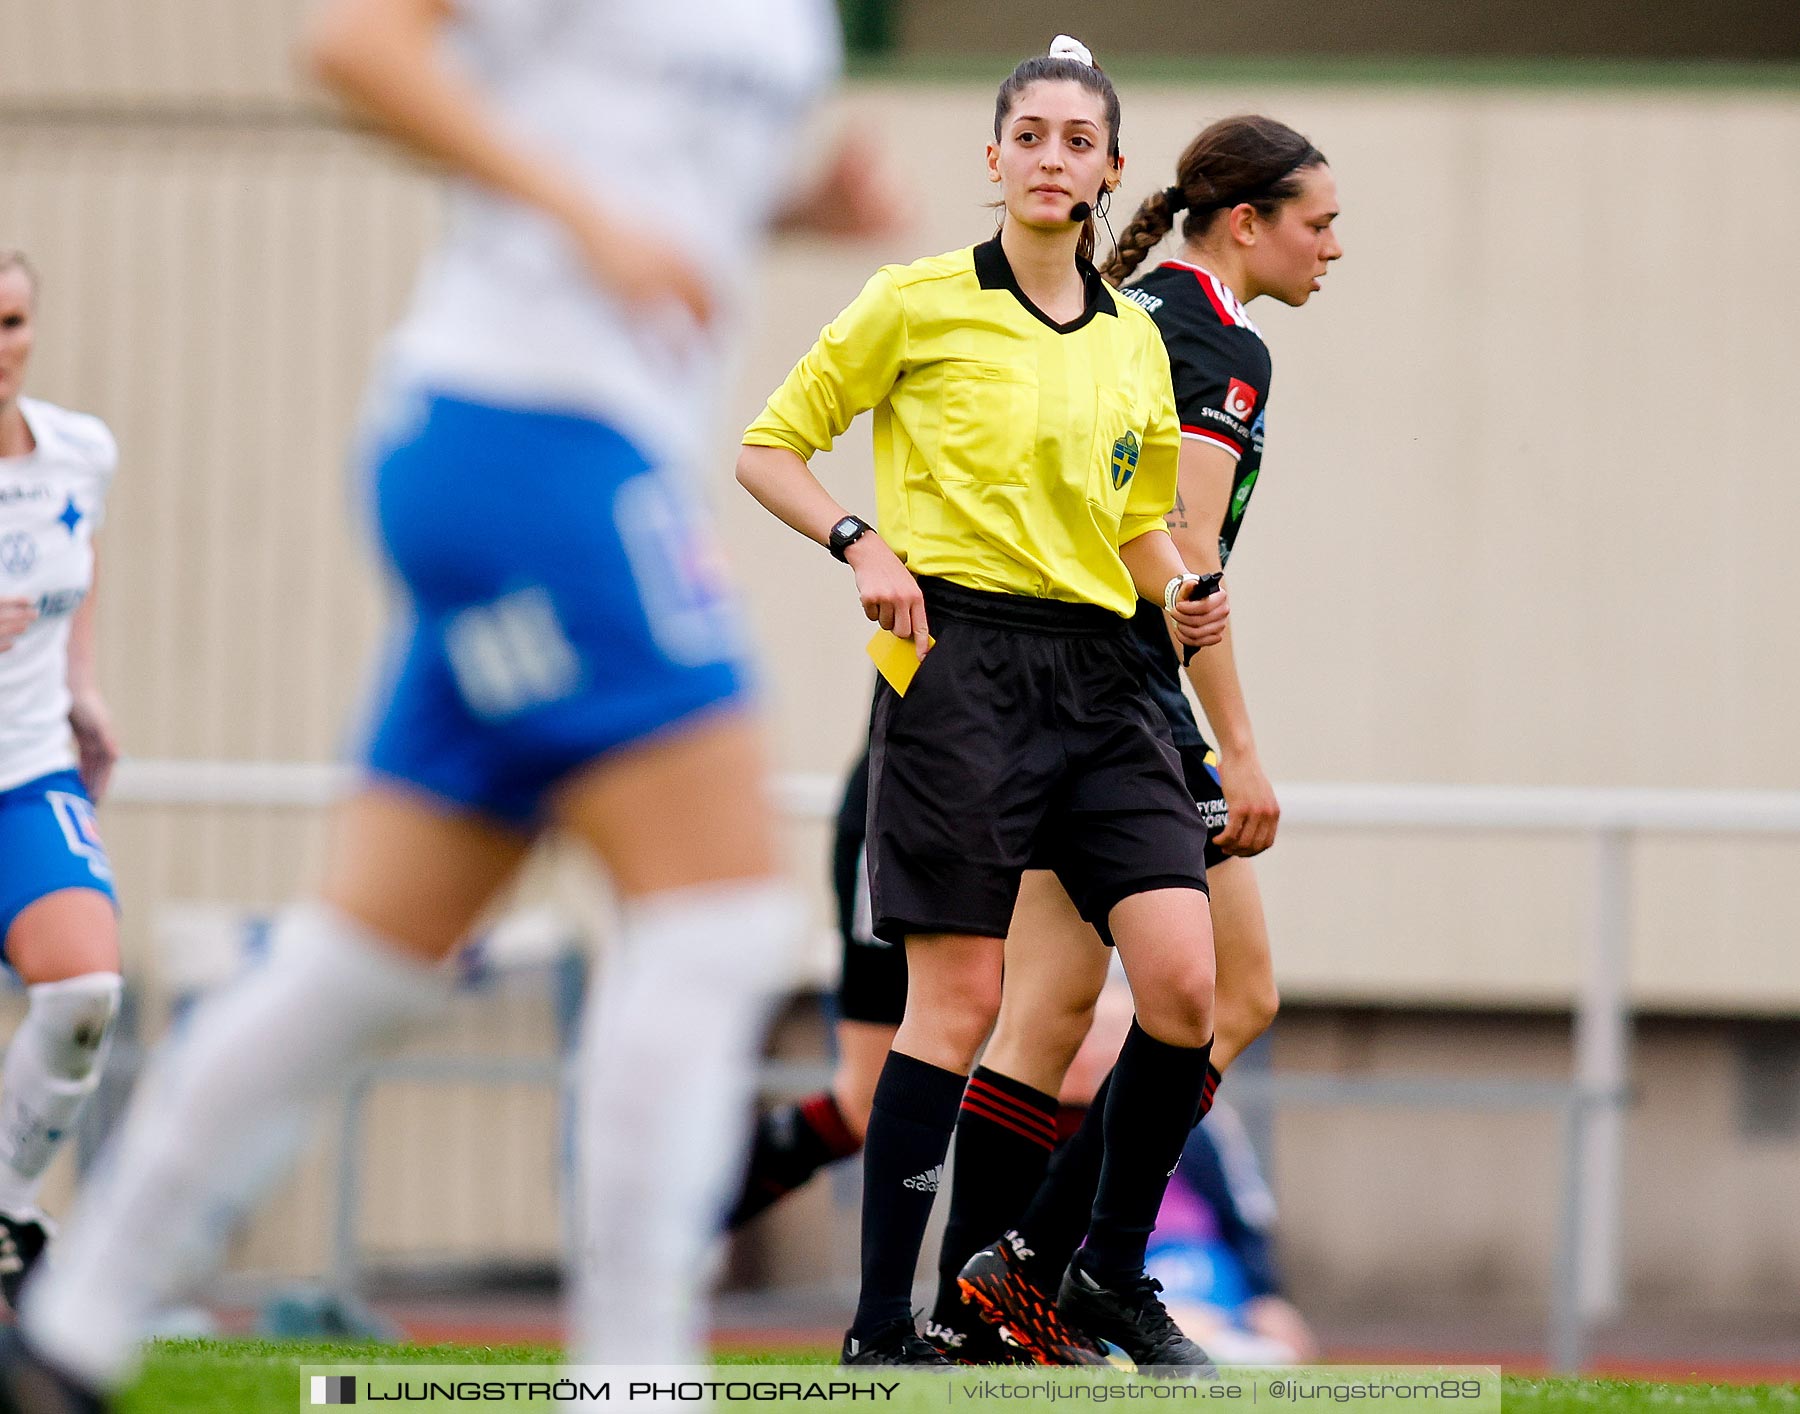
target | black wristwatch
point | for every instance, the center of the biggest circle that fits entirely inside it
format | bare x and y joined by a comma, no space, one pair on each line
845,534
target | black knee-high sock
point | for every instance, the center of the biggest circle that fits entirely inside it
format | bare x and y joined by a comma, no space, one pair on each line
791,1144
1151,1105
1057,1217
903,1165
1004,1135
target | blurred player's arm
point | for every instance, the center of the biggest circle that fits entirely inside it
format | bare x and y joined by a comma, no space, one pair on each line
1202,497
95,745
853,196
17,614
383,58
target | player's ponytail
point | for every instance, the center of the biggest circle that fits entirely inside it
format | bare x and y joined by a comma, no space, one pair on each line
1143,233
1247,159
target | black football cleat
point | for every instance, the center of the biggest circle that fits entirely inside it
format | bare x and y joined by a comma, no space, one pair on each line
896,1343
974,1342
22,1242
1133,1318
29,1384
1022,1314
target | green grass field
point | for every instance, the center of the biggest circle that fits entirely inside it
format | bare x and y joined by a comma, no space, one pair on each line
249,1376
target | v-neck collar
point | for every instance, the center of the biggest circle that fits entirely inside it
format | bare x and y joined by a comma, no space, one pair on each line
995,272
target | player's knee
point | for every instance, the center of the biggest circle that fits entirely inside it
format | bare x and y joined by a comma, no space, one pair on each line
951,1023
1265,1002
72,1021
968,1021
1179,1009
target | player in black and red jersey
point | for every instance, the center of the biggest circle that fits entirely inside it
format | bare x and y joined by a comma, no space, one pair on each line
1259,203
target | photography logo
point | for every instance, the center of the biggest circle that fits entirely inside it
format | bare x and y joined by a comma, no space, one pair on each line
1240,400
334,1389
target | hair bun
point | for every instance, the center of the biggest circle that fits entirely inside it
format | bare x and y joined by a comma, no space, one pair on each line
1066,46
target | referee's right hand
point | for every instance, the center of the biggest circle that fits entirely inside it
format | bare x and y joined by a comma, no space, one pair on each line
889,593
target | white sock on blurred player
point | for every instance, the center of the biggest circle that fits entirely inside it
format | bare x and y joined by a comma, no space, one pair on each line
218,1117
52,1065
671,1042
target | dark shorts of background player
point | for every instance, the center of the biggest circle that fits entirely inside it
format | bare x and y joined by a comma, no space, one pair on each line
1026,741
873,985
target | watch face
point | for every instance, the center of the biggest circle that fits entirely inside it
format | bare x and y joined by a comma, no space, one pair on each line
845,527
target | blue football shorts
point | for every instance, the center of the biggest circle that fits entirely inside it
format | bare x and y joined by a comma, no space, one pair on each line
48,842
566,600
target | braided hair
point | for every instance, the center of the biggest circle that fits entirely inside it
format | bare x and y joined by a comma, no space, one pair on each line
1233,161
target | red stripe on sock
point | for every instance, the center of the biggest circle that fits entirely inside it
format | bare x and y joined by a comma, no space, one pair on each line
822,1115
1013,1106
972,1104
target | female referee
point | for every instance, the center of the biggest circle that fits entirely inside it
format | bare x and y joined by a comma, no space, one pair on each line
1260,204
569,660
1026,448
58,929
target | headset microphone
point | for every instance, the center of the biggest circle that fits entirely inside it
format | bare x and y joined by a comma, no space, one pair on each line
1081,210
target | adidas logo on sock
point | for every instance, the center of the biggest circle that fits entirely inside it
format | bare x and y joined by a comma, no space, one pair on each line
1019,1249
926,1182
945,1336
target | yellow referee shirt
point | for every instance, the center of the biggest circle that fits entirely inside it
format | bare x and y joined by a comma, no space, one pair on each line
1012,454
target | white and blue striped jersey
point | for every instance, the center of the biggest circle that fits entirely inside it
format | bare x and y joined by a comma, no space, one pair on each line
51,501
685,118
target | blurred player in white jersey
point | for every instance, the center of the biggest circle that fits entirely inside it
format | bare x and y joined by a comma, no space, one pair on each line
58,930
572,657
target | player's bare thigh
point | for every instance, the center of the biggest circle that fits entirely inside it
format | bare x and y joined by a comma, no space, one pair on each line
1247,995
1055,968
66,934
688,806
417,871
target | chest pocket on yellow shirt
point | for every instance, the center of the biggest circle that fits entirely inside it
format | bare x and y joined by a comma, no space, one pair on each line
1113,462
990,425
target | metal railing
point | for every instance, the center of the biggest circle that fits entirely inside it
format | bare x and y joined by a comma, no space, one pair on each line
1586,1281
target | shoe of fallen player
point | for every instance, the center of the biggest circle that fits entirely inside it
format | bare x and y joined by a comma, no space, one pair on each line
22,1242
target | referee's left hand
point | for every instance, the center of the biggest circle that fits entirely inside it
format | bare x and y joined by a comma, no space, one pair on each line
889,593
1200,623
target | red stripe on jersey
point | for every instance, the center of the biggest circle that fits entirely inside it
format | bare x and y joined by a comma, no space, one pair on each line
1218,439
996,1098
975,1107
1205,281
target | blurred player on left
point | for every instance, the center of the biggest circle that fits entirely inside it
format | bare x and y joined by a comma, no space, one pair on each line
58,928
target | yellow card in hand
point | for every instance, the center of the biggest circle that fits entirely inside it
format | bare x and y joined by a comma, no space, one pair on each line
896,658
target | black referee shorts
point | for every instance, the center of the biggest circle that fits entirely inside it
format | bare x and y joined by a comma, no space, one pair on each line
1026,741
